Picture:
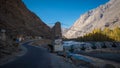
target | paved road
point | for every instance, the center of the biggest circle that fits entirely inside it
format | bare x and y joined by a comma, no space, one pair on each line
34,58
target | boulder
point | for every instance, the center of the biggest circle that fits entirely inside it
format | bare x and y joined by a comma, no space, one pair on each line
98,45
108,44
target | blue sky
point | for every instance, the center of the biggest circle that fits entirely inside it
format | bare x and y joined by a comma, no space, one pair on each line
64,11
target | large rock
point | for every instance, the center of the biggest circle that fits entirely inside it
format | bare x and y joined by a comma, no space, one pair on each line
99,45
56,31
108,44
107,15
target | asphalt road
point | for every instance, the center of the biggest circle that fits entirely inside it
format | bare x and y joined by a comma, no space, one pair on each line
34,58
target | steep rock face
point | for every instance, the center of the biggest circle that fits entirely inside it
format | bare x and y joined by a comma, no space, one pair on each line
56,31
64,30
15,20
107,15
14,16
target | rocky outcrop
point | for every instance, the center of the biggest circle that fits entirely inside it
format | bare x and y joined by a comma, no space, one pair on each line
107,15
7,45
14,16
56,31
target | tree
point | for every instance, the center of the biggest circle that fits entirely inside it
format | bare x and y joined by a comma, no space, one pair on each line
102,35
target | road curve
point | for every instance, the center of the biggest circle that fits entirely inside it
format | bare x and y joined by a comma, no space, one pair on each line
34,58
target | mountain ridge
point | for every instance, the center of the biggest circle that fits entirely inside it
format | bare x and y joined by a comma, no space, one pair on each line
15,16
107,15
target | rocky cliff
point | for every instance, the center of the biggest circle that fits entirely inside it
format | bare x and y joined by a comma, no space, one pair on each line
107,15
14,16
16,21
56,31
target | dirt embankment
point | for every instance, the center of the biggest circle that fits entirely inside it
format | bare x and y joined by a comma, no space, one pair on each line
6,59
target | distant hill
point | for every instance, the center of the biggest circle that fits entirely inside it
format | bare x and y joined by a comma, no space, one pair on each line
107,15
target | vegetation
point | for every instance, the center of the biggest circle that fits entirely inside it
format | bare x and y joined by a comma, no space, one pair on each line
102,35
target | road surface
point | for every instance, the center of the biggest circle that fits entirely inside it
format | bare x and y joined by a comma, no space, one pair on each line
34,58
